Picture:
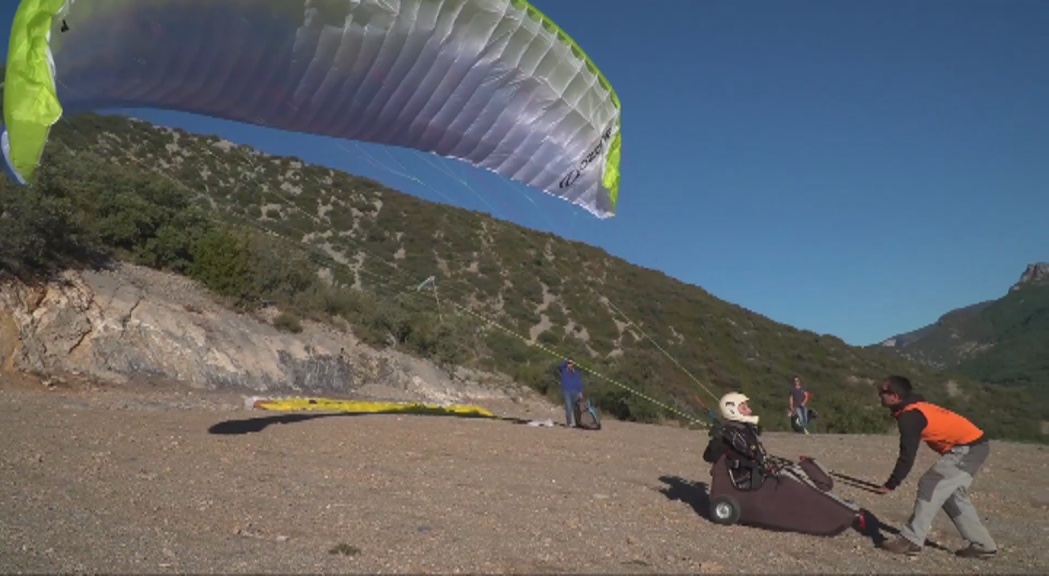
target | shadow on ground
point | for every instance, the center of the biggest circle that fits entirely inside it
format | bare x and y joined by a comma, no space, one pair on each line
251,425
695,494
873,528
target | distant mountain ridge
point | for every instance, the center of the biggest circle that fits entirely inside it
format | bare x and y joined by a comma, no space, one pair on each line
1003,341
900,341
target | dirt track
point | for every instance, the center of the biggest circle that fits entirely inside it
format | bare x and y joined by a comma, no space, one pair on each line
166,481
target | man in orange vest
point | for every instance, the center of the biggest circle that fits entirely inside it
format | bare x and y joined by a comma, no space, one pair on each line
963,448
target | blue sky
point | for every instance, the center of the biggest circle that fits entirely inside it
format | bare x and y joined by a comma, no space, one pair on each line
853,168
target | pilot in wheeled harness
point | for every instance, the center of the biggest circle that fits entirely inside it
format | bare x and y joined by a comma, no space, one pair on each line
750,487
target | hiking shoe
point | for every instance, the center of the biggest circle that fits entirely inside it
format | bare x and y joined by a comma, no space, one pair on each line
974,552
901,545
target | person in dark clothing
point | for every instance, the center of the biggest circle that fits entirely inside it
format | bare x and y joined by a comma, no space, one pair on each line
753,488
798,404
571,388
963,448
737,436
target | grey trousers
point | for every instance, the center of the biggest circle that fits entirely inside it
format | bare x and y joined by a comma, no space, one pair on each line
946,486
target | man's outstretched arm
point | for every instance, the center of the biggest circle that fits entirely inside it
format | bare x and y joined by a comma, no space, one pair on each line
911,423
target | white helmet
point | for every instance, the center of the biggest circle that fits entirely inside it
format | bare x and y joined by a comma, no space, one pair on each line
729,408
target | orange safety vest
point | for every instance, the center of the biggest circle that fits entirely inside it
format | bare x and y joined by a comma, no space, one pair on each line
945,429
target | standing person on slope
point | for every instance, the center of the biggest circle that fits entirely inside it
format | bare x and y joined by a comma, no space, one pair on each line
571,388
963,448
798,404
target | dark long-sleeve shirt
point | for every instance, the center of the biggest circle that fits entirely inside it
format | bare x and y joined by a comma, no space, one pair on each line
739,440
911,423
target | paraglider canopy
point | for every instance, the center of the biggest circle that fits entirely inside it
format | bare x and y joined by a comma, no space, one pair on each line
494,83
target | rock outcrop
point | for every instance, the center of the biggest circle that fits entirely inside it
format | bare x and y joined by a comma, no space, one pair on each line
132,323
1035,274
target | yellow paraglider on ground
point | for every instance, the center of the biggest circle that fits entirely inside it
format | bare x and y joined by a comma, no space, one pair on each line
297,404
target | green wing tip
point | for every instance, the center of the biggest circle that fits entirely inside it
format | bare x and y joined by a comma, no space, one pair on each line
549,24
31,103
610,178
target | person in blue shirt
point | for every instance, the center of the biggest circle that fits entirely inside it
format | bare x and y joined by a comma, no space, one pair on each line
571,388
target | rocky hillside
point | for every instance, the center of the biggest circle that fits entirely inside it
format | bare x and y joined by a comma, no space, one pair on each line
317,247
998,341
131,324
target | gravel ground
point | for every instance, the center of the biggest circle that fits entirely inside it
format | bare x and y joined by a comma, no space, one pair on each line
177,481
